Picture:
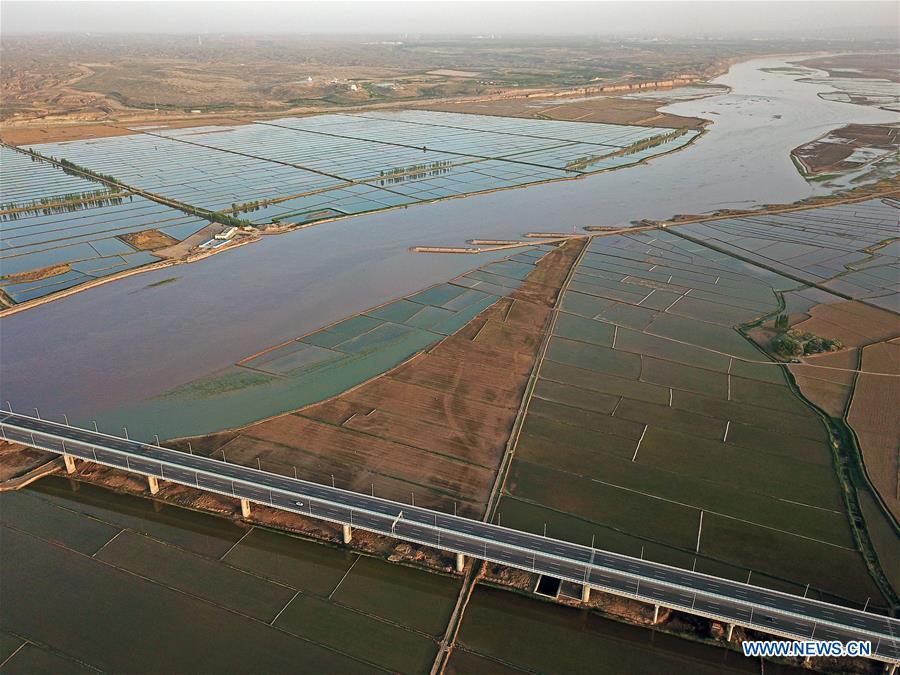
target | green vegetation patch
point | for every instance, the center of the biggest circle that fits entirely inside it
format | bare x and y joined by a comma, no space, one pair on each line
884,537
709,335
765,472
636,514
809,426
584,329
302,564
594,357
573,396
583,419
551,440
630,316
679,376
764,372
207,578
664,417
413,598
606,384
340,332
824,566
201,533
774,442
671,350
766,395
36,660
53,523
358,635
714,312
583,304
537,636
659,299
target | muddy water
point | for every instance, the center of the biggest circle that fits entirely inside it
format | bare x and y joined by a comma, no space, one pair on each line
98,580
127,342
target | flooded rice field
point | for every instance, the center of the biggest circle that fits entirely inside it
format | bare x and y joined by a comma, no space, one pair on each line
649,403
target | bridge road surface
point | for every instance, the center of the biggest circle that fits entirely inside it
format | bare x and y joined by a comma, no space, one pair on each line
765,610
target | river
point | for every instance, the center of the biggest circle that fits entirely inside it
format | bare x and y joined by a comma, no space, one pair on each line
131,340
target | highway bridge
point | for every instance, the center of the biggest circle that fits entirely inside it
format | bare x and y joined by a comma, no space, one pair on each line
731,602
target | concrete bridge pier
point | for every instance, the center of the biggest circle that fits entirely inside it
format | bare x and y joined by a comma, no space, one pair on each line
346,533
729,631
245,508
655,613
153,481
460,562
70,463
585,593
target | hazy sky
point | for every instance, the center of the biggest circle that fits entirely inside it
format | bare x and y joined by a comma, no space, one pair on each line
756,18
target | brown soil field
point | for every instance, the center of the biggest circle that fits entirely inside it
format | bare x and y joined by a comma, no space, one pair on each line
33,135
853,323
857,65
828,389
38,274
873,415
611,110
435,426
828,152
60,131
148,240
17,459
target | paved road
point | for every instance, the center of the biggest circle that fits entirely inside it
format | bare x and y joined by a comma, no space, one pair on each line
769,611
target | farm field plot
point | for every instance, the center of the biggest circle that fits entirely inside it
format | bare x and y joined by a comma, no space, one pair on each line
58,231
873,416
297,170
434,425
252,588
852,249
655,425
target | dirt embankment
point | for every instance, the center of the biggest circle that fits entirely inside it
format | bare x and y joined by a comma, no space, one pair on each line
608,109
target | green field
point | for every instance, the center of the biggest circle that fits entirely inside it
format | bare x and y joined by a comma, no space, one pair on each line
652,409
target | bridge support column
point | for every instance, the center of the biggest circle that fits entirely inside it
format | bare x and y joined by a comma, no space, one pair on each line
655,613
585,593
460,562
346,533
153,481
890,668
729,631
70,463
245,508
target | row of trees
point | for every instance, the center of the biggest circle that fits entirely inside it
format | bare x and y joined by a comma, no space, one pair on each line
212,216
